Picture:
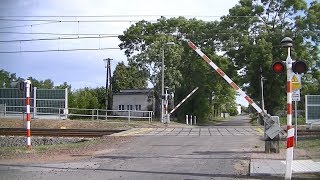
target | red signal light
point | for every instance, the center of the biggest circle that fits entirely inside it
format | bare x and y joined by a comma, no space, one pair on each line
299,67
278,67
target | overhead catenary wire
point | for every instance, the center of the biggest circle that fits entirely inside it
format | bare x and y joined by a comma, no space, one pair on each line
27,25
59,34
117,16
77,21
59,50
52,39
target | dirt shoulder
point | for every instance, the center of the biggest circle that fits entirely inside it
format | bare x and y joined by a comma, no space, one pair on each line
72,151
62,153
82,124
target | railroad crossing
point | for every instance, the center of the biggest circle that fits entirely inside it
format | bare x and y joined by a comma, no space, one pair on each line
197,131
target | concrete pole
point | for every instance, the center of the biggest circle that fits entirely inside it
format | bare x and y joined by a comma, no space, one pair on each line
162,83
187,119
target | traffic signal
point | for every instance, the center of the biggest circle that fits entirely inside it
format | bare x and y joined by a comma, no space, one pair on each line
299,67
278,67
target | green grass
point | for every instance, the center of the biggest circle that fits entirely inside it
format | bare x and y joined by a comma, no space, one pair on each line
311,143
6,152
283,121
210,122
301,121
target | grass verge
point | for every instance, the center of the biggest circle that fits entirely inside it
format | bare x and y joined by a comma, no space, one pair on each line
310,143
20,151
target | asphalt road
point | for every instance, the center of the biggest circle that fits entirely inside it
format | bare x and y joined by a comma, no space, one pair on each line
154,157
235,121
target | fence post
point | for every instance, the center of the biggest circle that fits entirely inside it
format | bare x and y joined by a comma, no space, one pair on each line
129,116
5,110
92,114
187,120
97,114
59,114
34,102
66,110
195,120
151,115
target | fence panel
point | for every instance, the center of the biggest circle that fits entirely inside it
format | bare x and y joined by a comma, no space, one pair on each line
43,102
312,109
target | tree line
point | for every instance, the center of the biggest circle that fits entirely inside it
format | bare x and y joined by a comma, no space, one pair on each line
243,43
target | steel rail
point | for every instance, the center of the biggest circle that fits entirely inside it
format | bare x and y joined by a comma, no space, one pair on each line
58,132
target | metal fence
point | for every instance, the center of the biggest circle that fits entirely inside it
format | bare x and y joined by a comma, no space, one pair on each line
312,109
75,113
48,100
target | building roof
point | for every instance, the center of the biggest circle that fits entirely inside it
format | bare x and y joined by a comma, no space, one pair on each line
134,91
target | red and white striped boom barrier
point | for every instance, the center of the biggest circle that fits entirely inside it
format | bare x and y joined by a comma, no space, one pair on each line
275,128
27,91
183,100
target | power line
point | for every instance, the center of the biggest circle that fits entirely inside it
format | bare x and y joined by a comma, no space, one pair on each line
119,16
26,25
60,38
59,34
57,50
76,21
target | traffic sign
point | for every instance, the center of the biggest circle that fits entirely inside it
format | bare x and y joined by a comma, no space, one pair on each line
273,130
296,95
296,81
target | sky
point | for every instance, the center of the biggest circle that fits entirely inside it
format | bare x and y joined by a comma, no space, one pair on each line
82,68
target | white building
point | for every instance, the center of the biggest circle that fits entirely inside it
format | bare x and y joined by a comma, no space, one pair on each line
133,100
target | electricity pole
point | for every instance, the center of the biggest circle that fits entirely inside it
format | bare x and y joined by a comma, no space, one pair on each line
108,83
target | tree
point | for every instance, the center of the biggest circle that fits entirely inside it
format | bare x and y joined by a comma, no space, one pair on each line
42,84
6,78
251,34
83,99
128,77
64,86
100,93
184,69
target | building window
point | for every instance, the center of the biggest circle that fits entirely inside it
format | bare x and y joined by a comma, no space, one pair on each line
138,107
121,107
129,107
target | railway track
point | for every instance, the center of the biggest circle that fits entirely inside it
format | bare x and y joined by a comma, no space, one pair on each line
57,132
309,132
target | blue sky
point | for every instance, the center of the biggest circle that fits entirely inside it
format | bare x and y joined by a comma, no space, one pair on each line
82,68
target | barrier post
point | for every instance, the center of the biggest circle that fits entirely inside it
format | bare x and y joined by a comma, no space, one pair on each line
27,89
190,120
187,119
290,130
195,120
